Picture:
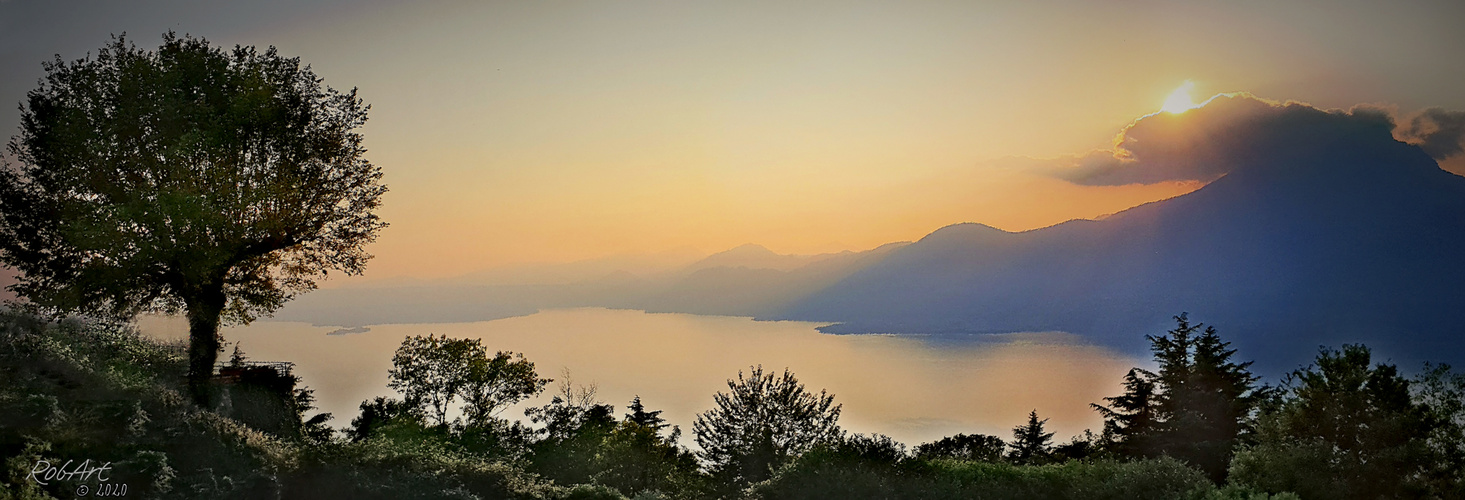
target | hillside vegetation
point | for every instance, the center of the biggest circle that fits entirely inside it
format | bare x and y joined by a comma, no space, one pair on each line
79,390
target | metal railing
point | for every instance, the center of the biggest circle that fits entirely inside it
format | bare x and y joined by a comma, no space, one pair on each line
281,367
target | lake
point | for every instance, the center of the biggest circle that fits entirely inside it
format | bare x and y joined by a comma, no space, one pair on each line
914,388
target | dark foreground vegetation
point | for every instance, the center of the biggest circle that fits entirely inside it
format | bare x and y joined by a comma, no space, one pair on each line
1201,427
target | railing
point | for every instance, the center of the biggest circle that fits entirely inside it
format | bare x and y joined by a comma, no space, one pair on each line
280,367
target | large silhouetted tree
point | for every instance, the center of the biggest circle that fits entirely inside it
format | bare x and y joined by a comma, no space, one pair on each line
1194,407
762,422
1205,398
218,183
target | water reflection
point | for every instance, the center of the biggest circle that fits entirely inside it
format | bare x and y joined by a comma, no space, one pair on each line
912,388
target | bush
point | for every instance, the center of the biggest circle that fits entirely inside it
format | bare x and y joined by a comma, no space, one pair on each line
831,474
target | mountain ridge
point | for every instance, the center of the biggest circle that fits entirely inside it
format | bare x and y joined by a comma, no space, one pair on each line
1328,225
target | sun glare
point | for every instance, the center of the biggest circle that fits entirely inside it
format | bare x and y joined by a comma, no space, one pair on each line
1179,100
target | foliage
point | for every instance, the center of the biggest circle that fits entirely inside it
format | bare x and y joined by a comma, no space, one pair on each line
190,178
581,442
1084,446
431,372
978,447
410,469
1348,430
1441,393
1131,419
1030,445
575,426
649,419
1344,428
761,423
378,413
94,390
1194,408
828,472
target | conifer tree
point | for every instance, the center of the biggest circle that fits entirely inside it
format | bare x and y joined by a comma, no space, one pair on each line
1131,419
1030,445
1194,407
640,416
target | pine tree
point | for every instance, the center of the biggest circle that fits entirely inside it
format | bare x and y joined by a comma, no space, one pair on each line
650,419
639,415
1131,420
1030,445
1193,408
1223,396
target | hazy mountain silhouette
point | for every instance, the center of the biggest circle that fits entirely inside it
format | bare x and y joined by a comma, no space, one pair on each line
1323,230
748,280
752,281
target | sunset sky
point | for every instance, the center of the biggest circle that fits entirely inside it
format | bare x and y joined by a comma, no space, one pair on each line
516,132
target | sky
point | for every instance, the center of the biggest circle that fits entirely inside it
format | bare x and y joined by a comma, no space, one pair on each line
519,132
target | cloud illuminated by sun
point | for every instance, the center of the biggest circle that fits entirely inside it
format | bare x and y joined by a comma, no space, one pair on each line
1179,100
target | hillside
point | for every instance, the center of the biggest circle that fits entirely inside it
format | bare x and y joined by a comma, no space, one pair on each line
1323,230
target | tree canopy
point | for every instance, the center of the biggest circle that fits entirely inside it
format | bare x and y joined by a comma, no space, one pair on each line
1347,429
762,422
192,179
978,447
432,372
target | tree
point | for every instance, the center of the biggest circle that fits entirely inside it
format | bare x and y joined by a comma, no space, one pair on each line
978,447
187,179
762,422
1194,407
1217,410
640,416
378,413
1131,419
1441,394
1030,445
1347,430
495,383
432,372
575,428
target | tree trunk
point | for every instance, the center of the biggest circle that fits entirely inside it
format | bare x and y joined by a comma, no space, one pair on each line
203,342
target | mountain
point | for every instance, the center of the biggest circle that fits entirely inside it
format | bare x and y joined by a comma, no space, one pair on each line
748,280
1324,230
752,281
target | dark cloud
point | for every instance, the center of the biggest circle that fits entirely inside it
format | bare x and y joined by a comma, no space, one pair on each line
1438,132
1206,143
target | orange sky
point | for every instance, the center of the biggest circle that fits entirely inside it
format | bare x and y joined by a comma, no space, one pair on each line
513,132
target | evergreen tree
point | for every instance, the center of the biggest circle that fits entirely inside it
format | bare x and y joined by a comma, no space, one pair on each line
1030,445
1131,419
651,420
1219,406
1194,407
640,416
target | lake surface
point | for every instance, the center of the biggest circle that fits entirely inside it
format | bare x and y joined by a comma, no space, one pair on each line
912,388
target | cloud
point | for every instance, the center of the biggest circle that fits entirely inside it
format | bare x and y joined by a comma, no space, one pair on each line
1230,130
1438,132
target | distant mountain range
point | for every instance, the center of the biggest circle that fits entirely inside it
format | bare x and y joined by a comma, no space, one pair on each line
1329,232
1321,229
749,280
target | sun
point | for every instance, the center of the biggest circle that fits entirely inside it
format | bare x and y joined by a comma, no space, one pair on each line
1179,100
